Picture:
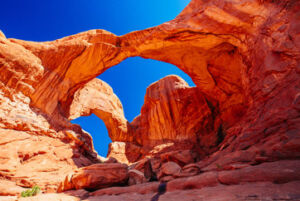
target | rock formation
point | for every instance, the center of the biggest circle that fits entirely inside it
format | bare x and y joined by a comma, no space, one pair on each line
97,97
237,132
96,176
174,116
170,105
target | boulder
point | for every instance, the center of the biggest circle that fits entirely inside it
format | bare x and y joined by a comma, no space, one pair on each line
96,176
136,177
182,157
169,169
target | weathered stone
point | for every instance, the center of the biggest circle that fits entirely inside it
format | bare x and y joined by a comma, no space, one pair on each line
136,177
189,170
124,152
243,57
111,160
81,193
166,178
51,196
98,97
145,188
180,157
170,104
169,169
30,160
277,172
9,188
96,176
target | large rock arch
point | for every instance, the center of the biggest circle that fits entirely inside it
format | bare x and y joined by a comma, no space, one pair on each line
243,57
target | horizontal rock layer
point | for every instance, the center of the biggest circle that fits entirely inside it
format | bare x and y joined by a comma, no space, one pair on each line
96,176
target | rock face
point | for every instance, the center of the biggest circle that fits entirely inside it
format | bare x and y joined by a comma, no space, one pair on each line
241,119
30,160
97,97
170,105
96,176
174,116
166,115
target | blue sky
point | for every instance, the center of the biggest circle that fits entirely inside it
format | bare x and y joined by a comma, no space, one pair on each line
39,20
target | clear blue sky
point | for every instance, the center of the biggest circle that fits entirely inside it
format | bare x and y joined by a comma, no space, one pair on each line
42,20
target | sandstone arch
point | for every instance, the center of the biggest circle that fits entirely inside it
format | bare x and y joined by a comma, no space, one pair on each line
242,55
215,44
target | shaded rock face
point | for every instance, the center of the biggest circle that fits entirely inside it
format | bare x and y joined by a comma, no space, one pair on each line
172,111
240,123
174,116
96,176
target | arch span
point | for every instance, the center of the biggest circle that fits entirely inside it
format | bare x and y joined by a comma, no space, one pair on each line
214,61
222,47
129,80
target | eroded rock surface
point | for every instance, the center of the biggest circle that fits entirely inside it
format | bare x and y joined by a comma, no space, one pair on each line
174,116
96,176
97,97
240,123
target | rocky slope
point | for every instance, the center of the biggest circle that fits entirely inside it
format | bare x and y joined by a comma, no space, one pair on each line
236,133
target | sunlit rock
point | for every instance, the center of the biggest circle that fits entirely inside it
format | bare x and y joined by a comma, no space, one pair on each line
241,120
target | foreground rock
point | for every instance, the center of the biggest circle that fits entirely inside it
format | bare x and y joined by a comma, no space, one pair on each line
259,191
96,176
9,188
27,160
271,177
136,177
168,171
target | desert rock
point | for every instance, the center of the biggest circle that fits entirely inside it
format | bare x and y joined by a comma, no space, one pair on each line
96,176
241,118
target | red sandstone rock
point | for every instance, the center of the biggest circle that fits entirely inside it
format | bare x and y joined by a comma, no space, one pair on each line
136,177
180,157
51,196
243,57
30,160
210,179
9,188
169,168
96,176
277,172
110,160
226,89
169,106
165,124
124,152
81,193
258,191
145,188
145,166
189,170
97,97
